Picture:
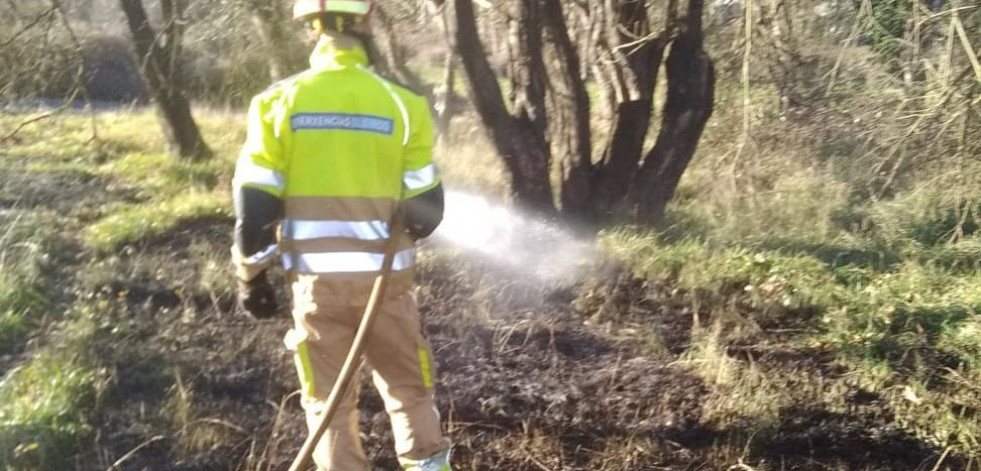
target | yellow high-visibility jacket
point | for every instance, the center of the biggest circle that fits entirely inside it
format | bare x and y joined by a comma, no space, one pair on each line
339,146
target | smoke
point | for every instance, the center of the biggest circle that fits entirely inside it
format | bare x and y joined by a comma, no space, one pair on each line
502,236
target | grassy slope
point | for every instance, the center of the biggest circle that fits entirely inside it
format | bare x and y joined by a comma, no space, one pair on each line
760,273
890,288
67,196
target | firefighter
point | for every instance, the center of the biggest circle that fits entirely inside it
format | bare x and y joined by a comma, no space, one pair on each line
330,153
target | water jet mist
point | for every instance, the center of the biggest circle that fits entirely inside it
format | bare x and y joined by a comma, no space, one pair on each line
502,235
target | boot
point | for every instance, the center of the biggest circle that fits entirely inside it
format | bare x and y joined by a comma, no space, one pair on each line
438,462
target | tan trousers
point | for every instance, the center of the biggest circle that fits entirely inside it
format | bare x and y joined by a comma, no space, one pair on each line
403,372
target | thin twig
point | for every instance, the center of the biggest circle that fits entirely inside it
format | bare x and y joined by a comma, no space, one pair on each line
943,457
134,451
852,37
80,84
209,420
899,146
40,117
939,15
539,464
968,49
28,27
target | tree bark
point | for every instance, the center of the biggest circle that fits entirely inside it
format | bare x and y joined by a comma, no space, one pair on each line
527,67
268,18
637,59
518,139
625,183
159,65
781,53
444,95
572,131
528,88
393,51
690,94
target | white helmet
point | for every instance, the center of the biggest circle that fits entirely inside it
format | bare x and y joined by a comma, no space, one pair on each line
303,9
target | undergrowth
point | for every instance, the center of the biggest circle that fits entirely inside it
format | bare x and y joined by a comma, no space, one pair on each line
46,403
897,297
51,391
890,287
24,265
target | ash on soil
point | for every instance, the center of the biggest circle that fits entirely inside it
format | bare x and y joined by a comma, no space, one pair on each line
527,380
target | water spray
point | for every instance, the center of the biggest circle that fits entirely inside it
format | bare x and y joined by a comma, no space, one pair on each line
504,236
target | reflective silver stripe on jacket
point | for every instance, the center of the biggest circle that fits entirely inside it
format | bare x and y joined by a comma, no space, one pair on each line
416,179
346,262
364,230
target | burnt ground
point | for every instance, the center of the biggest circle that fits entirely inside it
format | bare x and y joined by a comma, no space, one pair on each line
580,375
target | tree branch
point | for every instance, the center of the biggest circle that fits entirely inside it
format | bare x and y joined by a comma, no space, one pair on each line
29,26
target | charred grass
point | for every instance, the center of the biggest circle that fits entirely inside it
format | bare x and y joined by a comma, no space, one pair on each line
668,353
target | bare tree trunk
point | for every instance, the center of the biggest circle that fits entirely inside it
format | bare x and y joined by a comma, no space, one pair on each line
638,63
691,84
268,18
393,51
527,67
622,184
445,97
159,64
518,138
781,53
571,104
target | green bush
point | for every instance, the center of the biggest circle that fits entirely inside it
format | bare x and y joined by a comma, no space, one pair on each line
889,19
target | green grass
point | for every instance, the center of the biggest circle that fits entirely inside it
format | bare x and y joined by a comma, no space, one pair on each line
917,309
15,326
913,325
83,140
126,149
160,176
892,287
43,409
20,301
765,276
24,258
56,140
46,402
140,222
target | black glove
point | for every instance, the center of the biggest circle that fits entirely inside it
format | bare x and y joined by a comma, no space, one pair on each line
257,297
424,212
